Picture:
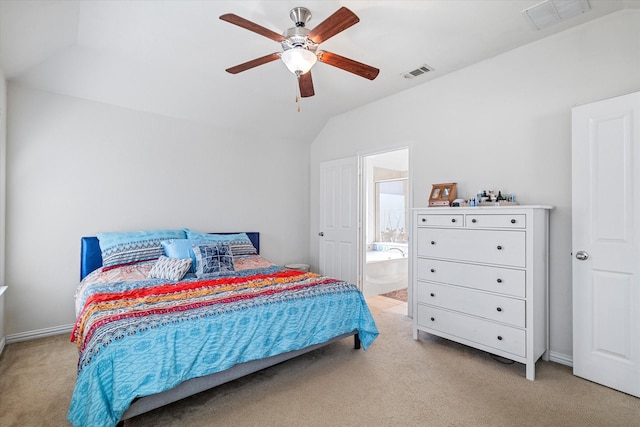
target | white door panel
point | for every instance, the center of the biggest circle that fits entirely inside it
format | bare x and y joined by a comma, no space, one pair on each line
606,242
338,219
611,298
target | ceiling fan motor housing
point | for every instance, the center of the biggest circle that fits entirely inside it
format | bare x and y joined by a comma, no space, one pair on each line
296,37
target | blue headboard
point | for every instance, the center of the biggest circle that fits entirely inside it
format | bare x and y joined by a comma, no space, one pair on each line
91,256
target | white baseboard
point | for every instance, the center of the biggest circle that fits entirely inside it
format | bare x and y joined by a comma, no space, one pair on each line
39,333
563,359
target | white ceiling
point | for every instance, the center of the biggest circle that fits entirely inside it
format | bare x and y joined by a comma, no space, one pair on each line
169,57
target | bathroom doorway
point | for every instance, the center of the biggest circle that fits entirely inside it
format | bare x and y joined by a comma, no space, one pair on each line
386,224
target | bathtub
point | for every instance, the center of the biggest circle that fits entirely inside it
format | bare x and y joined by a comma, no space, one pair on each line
385,271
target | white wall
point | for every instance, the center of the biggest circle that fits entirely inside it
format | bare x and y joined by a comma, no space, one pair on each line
502,124
3,166
78,167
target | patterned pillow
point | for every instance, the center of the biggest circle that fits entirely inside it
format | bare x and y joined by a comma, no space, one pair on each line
213,259
134,246
170,268
240,243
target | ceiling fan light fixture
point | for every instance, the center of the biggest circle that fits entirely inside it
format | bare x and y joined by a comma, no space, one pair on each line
298,60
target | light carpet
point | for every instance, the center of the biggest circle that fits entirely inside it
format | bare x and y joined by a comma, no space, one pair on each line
398,381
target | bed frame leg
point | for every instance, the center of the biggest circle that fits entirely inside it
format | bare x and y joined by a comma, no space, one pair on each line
356,342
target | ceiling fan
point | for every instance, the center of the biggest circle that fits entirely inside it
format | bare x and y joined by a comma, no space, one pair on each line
300,46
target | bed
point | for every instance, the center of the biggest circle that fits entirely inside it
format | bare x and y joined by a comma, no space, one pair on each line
145,342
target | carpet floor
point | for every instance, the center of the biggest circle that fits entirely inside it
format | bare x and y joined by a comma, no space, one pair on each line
398,381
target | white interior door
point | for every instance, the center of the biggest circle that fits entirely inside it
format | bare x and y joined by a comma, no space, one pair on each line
606,242
338,234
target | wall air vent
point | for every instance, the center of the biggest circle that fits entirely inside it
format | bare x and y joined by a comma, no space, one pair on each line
422,70
550,12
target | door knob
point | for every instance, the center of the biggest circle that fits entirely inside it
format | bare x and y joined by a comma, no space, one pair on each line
582,255
321,234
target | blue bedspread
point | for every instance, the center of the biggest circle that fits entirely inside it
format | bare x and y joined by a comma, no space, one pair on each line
141,338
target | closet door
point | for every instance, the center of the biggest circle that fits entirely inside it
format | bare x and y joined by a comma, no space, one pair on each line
606,242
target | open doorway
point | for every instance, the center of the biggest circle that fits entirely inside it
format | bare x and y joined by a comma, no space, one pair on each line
386,218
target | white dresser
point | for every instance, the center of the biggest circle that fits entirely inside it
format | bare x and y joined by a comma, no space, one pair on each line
480,277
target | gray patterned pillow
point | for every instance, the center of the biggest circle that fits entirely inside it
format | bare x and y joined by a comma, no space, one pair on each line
239,243
170,268
213,259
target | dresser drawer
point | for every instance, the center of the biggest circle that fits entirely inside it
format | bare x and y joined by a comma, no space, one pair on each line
496,221
494,279
441,220
484,332
484,246
489,306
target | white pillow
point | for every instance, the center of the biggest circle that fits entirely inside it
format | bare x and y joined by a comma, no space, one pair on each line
170,268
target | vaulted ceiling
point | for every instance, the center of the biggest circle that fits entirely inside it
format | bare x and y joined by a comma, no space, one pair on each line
169,57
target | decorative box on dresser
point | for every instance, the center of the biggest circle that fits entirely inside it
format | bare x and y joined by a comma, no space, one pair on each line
480,277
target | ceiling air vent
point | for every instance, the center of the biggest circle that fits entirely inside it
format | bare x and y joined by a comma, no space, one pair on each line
423,69
550,12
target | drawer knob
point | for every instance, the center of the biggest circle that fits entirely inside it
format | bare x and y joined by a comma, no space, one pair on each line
513,221
433,270
499,338
433,319
474,220
453,220
432,294
424,220
499,247
499,280
433,242
499,309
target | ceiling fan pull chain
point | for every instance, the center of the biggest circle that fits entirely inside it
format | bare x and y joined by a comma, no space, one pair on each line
298,93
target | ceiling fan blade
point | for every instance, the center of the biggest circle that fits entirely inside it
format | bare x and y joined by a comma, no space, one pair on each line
253,63
306,85
355,67
252,26
342,19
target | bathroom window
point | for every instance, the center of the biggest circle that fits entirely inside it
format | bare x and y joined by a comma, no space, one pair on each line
391,211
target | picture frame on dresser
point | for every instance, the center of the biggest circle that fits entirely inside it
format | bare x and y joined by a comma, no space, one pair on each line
480,277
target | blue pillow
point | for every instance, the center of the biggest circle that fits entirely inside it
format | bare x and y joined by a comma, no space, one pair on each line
134,246
240,243
213,259
182,248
